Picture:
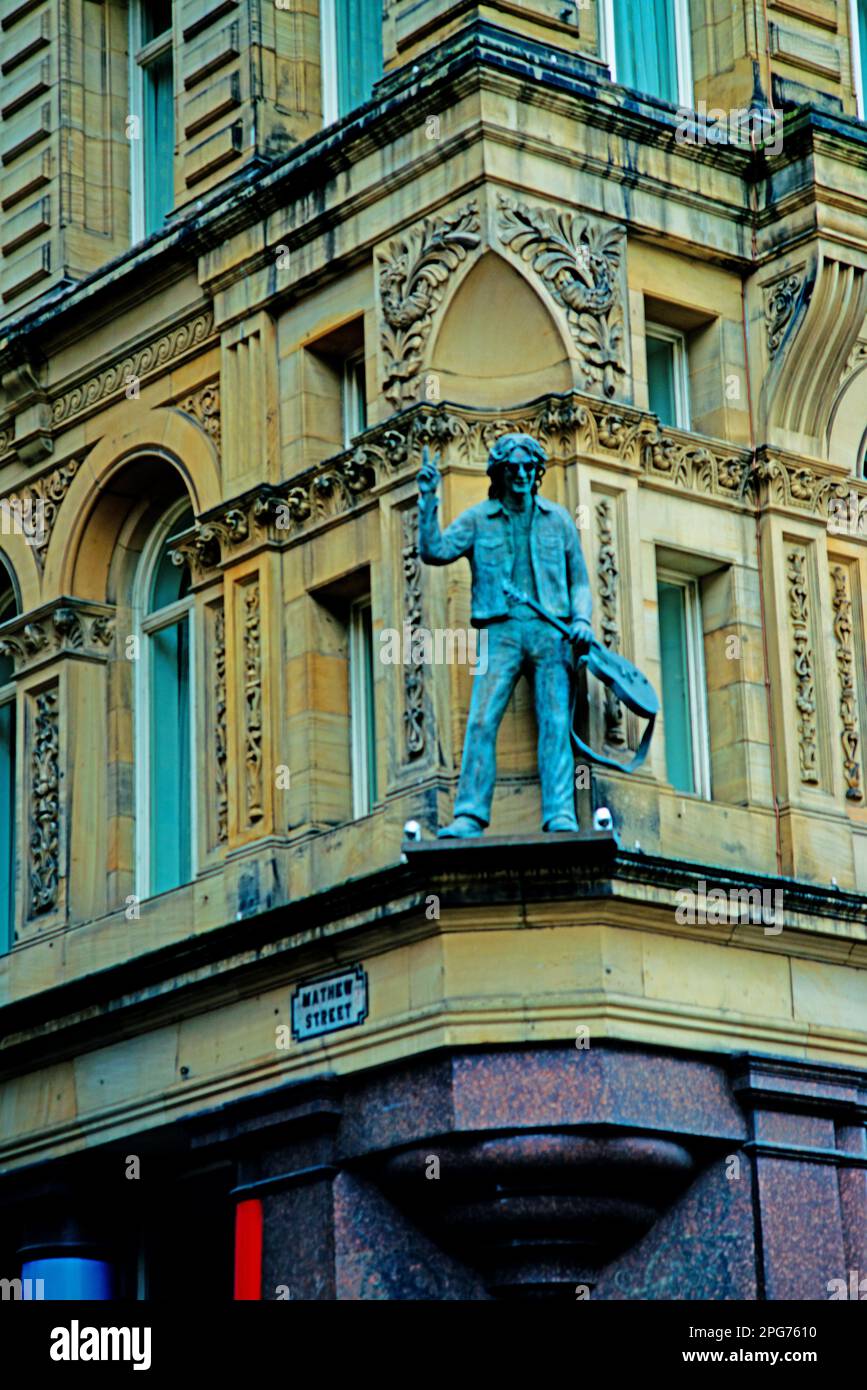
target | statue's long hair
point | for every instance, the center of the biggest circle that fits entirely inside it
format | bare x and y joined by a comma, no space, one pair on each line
502,453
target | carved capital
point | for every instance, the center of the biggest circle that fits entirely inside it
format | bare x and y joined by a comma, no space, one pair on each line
63,628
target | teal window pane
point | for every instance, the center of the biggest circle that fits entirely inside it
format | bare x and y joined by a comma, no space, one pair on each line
660,379
646,47
169,800
7,823
369,709
158,136
862,41
675,686
358,25
170,582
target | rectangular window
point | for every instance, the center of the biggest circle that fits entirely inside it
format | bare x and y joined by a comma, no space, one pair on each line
648,47
351,54
858,26
684,691
361,708
667,374
152,133
353,397
170,836
7,815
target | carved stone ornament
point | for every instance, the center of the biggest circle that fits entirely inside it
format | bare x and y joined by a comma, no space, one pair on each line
220,735
44,801
579,262
252,647
144,362
413,272
608,624
37,505
413,713
802,662
63,628
850,738
204,406
781,299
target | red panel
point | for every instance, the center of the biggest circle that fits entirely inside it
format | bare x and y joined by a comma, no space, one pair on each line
248,1249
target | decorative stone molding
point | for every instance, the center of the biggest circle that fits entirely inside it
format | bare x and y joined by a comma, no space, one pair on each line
205,544
44,836
43,497
146,361
850,738
204,406
6,436
781,300
609,627
799,393
413,712
252,647
785,482
328,491
805,695
65,627
413,272
220,732
580,263
856,360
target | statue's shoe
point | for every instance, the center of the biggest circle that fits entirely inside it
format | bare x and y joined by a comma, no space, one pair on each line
560,823
461,828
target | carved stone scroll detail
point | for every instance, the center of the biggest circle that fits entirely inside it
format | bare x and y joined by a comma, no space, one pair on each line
252,647
607,577
413,713
850,737
44,829
413,273
803,665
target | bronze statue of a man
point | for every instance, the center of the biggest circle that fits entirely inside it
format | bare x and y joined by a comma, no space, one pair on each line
518,537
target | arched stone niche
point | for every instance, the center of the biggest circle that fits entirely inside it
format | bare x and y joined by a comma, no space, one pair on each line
497,344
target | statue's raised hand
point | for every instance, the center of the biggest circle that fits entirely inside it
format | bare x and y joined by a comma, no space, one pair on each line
428,474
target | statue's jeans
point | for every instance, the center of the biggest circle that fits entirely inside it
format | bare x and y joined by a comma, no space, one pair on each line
530,646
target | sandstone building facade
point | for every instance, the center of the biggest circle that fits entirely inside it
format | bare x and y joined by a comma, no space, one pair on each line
255,257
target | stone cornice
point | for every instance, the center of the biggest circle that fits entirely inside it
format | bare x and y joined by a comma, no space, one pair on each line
63,628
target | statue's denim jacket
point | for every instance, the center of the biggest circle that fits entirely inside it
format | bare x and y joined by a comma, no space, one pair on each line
484,534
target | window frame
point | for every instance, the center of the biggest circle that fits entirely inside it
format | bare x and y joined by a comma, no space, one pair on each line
682,45
141,56
352,396
362,712
145,625
696,679
680,358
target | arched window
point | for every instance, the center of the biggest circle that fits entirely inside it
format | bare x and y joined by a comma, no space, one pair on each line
164,711
8,609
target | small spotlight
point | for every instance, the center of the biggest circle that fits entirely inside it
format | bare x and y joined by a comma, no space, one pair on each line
412,830
603,819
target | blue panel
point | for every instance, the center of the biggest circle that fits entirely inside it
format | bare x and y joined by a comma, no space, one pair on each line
660,379
358,25
70,1277
675,687
646,47
159,141
170,776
